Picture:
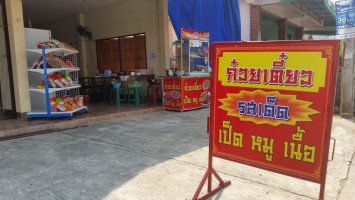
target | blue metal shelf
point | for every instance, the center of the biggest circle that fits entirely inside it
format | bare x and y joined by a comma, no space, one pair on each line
48,113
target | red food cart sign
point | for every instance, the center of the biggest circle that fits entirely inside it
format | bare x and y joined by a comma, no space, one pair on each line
186,93
195,35
196,93
272,105
172,93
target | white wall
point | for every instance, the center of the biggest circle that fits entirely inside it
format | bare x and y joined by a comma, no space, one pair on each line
245,19
124,18
63,30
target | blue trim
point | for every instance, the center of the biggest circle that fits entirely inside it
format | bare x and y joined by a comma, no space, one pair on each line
64,114
46,79
57,114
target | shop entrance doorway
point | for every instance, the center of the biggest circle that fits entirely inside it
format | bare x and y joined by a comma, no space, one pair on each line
7,104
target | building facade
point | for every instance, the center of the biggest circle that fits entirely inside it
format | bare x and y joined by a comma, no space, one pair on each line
260,20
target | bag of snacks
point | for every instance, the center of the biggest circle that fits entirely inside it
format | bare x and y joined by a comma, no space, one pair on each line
57,103
64,81
79,100
37,63
70,104
51,81
58,82
67,76
70,64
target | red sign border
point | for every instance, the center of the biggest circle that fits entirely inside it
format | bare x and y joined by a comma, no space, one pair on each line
286,45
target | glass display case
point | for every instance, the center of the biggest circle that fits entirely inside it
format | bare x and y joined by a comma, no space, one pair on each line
191,54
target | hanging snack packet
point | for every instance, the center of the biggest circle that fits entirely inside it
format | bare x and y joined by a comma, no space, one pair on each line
79,100
51,81
65,81
37,63
57,103
67,105
70,64
67,76
72,103
58,82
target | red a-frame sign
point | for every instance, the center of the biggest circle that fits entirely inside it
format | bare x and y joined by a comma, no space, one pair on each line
272,107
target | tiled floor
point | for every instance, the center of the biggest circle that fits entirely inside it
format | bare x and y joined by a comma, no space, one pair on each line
96,112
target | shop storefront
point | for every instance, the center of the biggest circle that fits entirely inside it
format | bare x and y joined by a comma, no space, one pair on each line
101,20
146,21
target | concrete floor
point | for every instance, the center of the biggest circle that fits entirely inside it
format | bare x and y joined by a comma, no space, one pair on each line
99,111
160,155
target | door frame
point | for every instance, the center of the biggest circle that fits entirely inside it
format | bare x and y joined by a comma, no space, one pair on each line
9,64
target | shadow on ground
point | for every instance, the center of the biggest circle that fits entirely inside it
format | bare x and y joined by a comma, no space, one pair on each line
89,162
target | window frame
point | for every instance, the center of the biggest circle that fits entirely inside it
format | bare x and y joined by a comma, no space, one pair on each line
120,51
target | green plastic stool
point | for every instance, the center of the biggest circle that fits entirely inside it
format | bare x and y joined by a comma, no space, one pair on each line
137,92
118,98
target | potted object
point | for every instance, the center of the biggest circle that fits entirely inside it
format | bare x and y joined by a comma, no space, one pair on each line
169,72
153,81
115,83
180,72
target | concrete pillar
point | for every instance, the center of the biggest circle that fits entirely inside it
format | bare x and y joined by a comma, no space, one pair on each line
299,33
282,29
163,37
347,79
18,56
255,23
83,53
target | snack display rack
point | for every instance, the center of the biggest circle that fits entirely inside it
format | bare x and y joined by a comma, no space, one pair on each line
40,97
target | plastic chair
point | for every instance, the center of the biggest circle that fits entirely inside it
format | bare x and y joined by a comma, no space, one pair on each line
155,89
117,96
138,94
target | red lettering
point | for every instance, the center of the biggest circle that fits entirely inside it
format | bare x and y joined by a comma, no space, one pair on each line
276,76
231,71
291,77
306,78
266,74
255,75
244,75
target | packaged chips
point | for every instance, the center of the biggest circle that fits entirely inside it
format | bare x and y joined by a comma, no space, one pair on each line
67,103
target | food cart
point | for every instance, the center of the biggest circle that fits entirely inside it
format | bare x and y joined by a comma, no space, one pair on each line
187,86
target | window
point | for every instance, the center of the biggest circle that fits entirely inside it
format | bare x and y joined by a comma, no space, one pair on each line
108,54
122,54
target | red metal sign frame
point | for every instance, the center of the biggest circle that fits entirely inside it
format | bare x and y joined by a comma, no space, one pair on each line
304,107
